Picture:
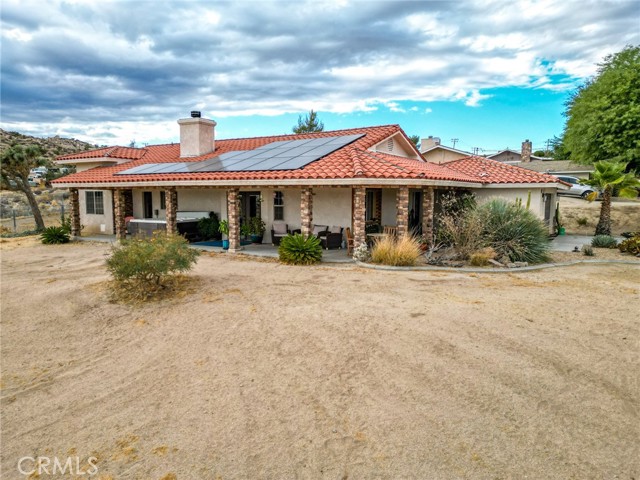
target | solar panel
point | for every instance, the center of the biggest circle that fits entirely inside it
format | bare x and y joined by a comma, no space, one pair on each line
281,155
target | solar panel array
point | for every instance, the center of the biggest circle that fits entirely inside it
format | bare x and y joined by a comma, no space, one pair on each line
284,155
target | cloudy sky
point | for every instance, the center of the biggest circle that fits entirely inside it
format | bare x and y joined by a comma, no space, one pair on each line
489,73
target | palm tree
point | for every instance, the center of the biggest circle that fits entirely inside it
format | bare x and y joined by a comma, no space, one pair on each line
15,165
607,176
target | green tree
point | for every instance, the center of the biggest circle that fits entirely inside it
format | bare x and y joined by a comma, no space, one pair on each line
607,176
15,165
310,123
415,139
603,116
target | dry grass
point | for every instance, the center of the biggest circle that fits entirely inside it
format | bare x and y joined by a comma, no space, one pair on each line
396,251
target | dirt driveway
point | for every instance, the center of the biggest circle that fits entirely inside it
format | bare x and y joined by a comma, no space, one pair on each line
266,371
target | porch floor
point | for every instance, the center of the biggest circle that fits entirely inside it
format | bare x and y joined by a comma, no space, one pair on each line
262,250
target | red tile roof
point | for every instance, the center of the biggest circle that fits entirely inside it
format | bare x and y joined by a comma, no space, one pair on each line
491,171
351,161
127,153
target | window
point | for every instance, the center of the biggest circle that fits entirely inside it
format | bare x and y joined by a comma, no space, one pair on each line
278,206
163,200
369,205
95,203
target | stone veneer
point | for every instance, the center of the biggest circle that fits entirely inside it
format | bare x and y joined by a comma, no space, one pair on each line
427,214
306,211
359,210
75,212
119,207
402,210
171,213
233,217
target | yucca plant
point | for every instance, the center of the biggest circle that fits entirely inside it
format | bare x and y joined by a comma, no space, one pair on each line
513,231
55,235
300,250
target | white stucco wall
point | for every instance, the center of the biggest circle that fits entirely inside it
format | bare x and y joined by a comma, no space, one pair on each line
96,224
537,205
398,148
332,206
202,200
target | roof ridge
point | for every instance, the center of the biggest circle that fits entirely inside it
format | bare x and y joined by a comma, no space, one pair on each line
311,133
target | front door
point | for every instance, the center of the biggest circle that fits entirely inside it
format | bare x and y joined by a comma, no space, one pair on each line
546,197
147,204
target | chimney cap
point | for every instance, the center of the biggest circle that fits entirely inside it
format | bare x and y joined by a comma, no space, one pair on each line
195,114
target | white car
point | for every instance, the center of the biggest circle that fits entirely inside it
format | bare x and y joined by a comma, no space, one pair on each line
577,189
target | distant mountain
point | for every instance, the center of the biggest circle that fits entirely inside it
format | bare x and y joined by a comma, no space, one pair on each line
52,146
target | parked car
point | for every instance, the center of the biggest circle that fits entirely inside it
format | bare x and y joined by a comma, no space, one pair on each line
577,189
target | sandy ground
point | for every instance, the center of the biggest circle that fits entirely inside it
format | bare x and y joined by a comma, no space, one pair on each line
260,370
625,215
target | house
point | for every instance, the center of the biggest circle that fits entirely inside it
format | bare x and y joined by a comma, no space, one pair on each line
349,178
433,151
524,155
558,167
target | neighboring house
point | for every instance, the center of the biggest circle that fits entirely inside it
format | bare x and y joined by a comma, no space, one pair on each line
559,167
433,151
347,178
509,155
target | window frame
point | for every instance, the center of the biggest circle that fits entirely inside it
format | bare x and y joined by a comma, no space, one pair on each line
278,205
91,206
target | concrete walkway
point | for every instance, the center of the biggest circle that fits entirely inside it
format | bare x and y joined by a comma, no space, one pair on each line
566,243
262,250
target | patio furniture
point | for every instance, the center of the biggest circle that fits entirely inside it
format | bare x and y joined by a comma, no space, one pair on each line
278,230
347,234
332,238
389,230
320,230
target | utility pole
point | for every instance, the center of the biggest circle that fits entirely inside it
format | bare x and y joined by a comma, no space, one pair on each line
547,150
454,141
475,150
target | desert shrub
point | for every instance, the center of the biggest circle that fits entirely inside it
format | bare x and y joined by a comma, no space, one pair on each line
300,250
587,250
54,235
208,227
396,251
481,258
143,264
513,231
361,253
457,227
582,221
630,245
604,241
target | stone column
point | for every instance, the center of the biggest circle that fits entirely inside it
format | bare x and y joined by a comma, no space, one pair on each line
118,217
74,200
428,195
402,210
171,202
359,211
233,217
306,211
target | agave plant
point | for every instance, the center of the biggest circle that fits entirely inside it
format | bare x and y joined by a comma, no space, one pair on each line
300,250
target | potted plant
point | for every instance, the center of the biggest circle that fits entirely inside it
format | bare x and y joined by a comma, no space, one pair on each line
223,228
245,230
559,226
256,229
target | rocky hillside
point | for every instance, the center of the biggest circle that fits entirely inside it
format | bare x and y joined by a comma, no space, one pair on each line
52,146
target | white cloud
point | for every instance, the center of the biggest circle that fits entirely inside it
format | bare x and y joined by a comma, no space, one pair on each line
99,64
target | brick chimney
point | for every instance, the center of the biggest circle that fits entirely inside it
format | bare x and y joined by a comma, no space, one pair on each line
197,135
426,143
525,153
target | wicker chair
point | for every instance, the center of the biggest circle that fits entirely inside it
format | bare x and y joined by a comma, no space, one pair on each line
278,230
332,238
